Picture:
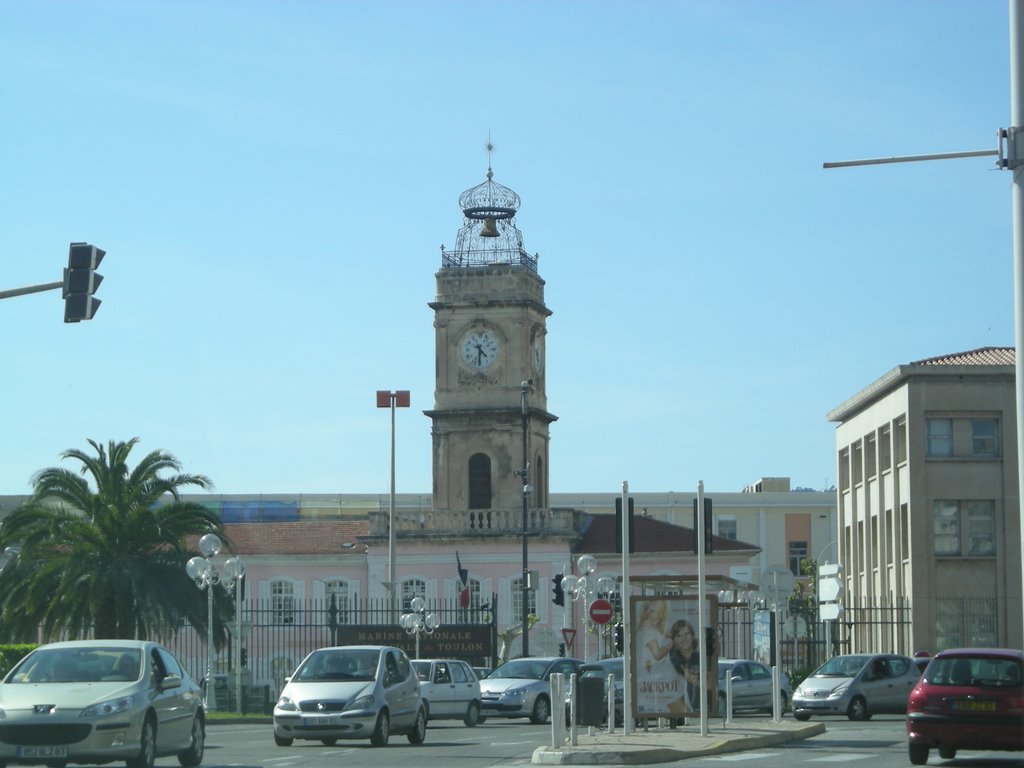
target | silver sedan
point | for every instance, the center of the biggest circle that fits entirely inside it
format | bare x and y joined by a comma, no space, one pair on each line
94,701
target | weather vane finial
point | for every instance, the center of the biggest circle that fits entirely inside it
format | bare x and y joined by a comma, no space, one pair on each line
490,149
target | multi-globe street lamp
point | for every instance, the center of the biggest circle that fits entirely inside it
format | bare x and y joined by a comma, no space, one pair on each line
583,588
419,621
203,572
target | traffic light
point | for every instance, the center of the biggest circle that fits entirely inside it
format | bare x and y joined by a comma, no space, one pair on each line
629,526
245,656
559,597
707,527
81,282
561,649
620,637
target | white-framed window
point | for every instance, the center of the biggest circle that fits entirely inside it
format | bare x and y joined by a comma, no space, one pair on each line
972,521
282,601
984,438
412,588
797,552
940,437
517,599
727,527
338,592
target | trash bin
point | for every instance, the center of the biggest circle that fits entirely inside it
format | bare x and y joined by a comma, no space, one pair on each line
591,707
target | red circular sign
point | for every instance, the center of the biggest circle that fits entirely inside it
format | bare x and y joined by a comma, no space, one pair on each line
601,611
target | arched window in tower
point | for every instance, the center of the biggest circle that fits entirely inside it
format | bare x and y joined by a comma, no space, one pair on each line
479,481
537,481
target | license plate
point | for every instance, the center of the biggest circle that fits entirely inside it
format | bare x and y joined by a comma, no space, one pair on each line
968,705
48,751
321,721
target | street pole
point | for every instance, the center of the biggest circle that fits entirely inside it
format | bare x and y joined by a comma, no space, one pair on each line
1016,126
388,399
627,620
526,513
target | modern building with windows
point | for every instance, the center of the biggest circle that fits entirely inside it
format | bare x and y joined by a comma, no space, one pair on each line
928,507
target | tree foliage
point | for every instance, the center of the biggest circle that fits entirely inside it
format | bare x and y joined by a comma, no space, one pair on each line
106,560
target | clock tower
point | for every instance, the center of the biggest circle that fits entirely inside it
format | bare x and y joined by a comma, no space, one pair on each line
489,392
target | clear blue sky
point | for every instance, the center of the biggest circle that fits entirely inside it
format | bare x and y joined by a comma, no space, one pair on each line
273,181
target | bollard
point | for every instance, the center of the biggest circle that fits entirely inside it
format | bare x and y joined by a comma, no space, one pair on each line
573,678
611,703
557,709
728,697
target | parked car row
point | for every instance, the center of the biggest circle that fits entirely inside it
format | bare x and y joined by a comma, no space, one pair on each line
57,705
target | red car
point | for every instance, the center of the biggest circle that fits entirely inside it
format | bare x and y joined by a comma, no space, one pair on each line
967,698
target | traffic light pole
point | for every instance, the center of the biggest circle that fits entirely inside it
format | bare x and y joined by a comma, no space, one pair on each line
31,289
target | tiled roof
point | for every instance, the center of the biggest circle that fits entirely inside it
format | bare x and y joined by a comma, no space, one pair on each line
980,356
298,537
651,536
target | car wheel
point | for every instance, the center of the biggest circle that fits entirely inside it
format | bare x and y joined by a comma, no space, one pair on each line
381,730
858,709
480,721
147,746
193,756
419,730
328,742
426,708
947,753
918,753
783,703
541,711
472,714
281,741
801,716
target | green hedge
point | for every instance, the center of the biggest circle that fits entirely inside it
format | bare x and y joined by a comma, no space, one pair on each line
12,654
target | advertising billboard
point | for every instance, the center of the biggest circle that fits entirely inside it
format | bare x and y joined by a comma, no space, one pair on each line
666,657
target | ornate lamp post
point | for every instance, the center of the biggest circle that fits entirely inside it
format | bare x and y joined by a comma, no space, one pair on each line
203,572
582,587
419,621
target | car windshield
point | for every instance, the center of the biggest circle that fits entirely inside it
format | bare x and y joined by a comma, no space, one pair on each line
842,666
520,669
974,671
359,664
78,665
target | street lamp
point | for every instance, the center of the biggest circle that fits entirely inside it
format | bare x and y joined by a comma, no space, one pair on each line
581,587
527,489
419,621
203,572
392,400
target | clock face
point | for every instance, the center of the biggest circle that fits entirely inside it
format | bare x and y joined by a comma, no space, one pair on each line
479,350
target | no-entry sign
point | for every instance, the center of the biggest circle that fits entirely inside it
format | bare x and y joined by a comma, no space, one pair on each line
601,611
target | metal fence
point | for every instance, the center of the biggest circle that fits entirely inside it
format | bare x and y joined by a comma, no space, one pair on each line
275,637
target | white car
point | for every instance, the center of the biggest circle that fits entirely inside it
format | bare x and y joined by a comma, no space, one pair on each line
450,690
351,692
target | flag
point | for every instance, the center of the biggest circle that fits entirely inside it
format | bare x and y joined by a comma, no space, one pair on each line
463,582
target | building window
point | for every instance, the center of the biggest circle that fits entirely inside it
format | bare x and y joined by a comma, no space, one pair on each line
984,438
479,481
966,622
844,469
282,602
946,519
940,437
976,526
870,456
900,443
727,527
336,593
858,463
517,599
797,552
412,588
885,448
981,528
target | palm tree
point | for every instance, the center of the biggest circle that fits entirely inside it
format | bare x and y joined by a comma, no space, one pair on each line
110,562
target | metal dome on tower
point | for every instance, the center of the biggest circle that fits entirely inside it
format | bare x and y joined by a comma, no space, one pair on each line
488,235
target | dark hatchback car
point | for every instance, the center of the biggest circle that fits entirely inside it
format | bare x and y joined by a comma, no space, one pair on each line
968,698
